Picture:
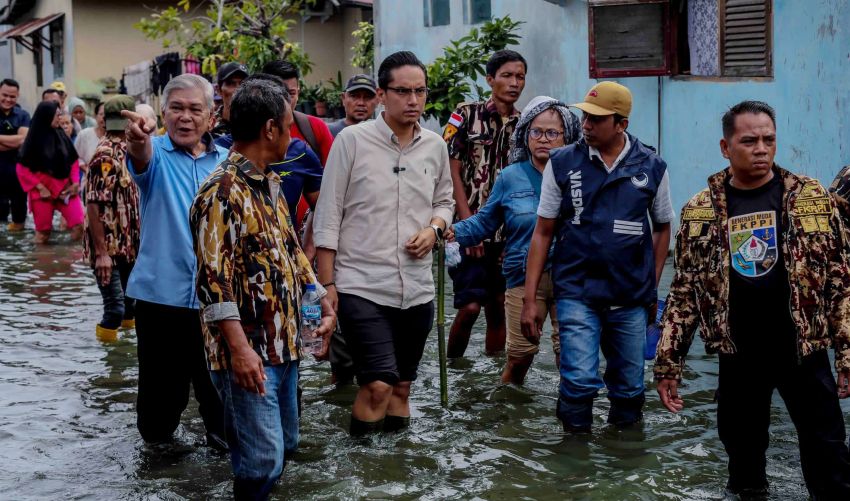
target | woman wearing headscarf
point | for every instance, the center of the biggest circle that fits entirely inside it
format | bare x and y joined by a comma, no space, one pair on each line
78,110
545,124
49,172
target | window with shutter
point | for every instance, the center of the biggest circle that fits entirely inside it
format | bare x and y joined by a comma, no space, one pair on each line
629,38
746,38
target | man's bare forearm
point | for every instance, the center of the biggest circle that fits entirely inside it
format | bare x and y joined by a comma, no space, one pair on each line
660,248
96,229
325,263
140,153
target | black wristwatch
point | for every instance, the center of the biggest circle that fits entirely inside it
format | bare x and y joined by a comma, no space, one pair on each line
437,231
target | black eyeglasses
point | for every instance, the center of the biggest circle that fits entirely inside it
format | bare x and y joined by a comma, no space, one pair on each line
405,92
551,134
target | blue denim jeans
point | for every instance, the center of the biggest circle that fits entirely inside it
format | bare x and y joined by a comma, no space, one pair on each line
621,334
261,431
116,306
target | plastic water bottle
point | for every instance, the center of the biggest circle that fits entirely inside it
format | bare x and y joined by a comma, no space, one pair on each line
311,317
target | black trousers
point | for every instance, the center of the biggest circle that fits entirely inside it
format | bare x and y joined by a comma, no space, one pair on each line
171,357
13,199
746,385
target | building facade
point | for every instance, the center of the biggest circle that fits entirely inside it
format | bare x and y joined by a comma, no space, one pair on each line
795,55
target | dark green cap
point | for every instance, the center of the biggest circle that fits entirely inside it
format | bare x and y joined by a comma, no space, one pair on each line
112,111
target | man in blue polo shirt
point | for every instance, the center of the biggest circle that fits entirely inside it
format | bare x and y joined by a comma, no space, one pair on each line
14,124
169,169
608,196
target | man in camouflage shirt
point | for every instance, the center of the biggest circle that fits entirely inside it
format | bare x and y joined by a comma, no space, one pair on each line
761,270
251,270
478,136
112,221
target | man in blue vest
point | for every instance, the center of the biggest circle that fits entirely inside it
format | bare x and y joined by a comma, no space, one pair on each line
608,198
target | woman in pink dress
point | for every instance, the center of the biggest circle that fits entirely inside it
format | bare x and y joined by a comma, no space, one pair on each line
49,171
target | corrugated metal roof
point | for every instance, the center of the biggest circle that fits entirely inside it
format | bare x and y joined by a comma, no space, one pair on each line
28,27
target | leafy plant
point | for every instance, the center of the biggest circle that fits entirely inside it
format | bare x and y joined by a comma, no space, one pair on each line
334,90
453,76
364,49
252,31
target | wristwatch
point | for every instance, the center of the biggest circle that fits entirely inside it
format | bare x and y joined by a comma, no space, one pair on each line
438,231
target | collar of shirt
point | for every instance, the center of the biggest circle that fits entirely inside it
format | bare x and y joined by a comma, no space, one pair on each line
595,153
387,133
253,173
490,106
207,139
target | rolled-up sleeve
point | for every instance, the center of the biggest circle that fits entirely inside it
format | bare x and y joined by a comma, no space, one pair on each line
332,195
444,203
215,231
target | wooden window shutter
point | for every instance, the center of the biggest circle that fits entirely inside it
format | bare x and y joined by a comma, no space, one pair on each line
746,37
629,38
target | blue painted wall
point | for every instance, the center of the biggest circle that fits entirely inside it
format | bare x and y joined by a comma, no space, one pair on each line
810,89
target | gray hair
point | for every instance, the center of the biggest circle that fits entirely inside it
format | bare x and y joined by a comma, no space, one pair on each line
188,81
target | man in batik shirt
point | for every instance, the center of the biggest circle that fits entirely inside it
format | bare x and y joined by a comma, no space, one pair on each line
251,270
478,137
112,221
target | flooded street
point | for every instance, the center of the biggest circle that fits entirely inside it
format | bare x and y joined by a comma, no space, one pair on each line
67,421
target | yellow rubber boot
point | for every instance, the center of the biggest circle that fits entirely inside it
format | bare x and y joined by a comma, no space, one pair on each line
128,323
106,335
15,227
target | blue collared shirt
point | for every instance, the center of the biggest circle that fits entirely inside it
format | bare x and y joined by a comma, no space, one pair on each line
166,267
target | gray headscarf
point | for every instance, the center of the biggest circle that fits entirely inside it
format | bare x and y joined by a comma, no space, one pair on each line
519,139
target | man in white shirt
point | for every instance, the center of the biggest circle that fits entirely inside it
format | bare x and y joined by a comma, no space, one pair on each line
386,198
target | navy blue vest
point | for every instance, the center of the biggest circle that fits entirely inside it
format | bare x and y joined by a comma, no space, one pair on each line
603,253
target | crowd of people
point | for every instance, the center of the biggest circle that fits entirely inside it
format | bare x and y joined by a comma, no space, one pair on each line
204,236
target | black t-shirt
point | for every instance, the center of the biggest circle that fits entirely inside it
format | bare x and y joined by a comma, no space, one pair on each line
759,294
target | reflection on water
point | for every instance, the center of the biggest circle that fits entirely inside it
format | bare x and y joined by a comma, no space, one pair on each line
67,422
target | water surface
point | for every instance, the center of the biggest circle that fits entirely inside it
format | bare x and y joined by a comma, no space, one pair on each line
67,421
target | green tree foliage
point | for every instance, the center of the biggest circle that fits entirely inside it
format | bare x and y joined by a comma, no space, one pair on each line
364,49
454,76
250,31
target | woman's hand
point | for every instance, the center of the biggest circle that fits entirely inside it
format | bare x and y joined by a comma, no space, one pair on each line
43,192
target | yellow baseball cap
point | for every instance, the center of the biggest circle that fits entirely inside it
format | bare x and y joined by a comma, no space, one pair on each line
57,85
607,98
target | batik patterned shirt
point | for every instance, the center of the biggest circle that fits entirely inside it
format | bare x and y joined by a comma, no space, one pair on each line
479,137
110,187
250,266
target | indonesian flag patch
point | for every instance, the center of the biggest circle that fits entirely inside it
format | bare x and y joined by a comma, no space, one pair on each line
451,128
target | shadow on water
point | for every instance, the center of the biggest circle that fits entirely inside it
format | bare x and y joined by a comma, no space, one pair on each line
67,422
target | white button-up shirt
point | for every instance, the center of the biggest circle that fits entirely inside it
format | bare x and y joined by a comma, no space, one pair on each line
375,196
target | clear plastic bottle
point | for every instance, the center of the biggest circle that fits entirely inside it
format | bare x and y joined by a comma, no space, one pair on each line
311,317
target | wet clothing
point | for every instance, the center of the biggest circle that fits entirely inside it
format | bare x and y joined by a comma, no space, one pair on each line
764,274
746,385
42,209
166,269
300,172
603,253
516,344
250,266
13,199
386,343
478,279
110,187
116,305
811,246
171,357
262,431
368,211
603,272
479,137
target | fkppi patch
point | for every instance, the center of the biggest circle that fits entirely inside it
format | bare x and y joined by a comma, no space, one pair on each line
752,240
455,121
813,208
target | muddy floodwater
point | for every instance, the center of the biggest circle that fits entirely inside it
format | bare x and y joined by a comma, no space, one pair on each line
67,420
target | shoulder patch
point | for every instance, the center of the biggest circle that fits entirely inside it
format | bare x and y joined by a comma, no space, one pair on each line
812,189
